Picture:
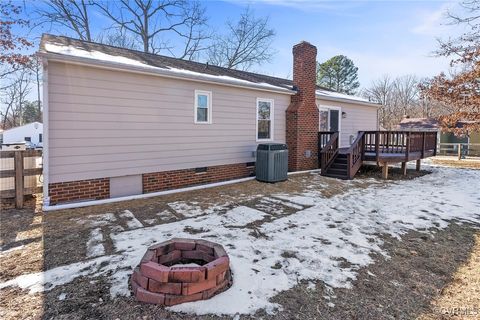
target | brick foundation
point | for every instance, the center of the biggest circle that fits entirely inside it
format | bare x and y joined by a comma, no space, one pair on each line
82,190
160,181
302,113
97,189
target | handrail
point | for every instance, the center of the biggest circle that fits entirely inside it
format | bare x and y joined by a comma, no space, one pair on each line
355,154
329,152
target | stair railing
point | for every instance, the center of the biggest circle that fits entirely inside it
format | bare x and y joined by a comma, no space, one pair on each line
329,152
355,155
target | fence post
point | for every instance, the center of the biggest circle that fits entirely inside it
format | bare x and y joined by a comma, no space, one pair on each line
19,179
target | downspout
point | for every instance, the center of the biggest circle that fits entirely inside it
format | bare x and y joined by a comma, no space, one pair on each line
45,116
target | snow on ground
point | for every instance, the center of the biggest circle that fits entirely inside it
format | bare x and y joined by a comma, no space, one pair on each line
318,240
132,222
95,246
193,209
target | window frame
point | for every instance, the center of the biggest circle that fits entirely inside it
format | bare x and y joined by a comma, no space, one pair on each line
209,106
272,108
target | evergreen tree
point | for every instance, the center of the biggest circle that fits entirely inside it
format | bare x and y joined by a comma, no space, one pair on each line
338,73
31,112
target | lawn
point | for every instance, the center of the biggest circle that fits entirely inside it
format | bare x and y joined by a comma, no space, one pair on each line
309,248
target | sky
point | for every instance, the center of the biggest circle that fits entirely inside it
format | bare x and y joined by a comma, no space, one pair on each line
381,37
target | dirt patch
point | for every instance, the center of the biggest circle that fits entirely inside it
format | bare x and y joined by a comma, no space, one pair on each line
464,163
394,173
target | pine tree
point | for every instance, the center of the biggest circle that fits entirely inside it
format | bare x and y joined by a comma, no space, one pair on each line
338,73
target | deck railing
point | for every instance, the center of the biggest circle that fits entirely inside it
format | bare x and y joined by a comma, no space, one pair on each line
404,142
329,150
355,155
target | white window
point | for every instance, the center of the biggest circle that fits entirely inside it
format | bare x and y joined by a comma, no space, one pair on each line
264,119
203,107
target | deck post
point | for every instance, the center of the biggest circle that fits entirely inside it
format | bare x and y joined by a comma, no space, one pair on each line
459,152
419,161
423,144
404,168
385,170
19,179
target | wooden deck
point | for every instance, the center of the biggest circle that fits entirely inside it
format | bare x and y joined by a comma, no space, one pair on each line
382,147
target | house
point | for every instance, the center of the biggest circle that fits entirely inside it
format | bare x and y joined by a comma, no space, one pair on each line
448,140
30,134
122,122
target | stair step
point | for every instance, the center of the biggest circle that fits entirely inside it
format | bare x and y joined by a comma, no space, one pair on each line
337,176
337,171
338,165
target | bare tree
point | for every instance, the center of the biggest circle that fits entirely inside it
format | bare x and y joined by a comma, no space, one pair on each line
15,96
149,20
466,47
247,42
401,97
118,37
71,14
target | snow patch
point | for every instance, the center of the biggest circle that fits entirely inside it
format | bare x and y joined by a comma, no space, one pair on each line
95,246
132,222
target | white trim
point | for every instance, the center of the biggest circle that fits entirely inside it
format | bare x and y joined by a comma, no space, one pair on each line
45,137
320,96
272,117
158,72
156,194
209,107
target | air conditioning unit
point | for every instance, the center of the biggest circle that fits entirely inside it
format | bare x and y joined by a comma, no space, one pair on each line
272,162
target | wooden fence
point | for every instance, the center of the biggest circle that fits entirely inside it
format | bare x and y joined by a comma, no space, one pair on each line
459,150
13,165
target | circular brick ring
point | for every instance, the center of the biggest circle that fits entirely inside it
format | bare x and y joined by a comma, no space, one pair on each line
181,270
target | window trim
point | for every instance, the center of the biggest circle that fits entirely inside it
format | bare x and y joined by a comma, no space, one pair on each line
328,108
209,107
272,117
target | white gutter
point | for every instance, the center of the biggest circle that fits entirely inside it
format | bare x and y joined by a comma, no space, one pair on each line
204,78
155,194
45,151
353,101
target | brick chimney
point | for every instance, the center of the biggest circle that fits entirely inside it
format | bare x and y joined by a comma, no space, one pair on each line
302,113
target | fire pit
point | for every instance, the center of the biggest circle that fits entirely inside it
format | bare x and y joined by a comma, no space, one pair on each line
181,270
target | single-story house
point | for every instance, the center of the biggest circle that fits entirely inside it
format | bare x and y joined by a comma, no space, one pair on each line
120,122
30,134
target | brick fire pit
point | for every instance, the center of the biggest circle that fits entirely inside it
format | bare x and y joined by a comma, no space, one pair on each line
181,270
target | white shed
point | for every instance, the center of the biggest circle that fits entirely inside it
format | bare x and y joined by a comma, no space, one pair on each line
32,132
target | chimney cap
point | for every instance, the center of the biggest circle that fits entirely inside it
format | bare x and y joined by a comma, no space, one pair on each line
303,45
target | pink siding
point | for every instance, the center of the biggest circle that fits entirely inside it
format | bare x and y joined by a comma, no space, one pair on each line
105,123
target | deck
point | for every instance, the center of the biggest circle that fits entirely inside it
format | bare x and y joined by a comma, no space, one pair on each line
382,147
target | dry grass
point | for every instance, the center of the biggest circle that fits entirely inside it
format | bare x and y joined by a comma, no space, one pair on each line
423,265
453,162
460,299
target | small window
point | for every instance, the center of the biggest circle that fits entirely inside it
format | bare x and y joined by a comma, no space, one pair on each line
203,107
264,119
40,137
28,139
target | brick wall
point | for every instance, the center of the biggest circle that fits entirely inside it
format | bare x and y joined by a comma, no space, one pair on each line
82,190
302,114
158,181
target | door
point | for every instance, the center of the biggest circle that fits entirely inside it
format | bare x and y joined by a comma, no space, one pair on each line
329,119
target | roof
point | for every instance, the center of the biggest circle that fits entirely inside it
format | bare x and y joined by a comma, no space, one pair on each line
419,124
35,123
80,51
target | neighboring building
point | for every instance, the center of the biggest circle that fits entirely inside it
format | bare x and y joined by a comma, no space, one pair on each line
30,134
431,124
122,122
